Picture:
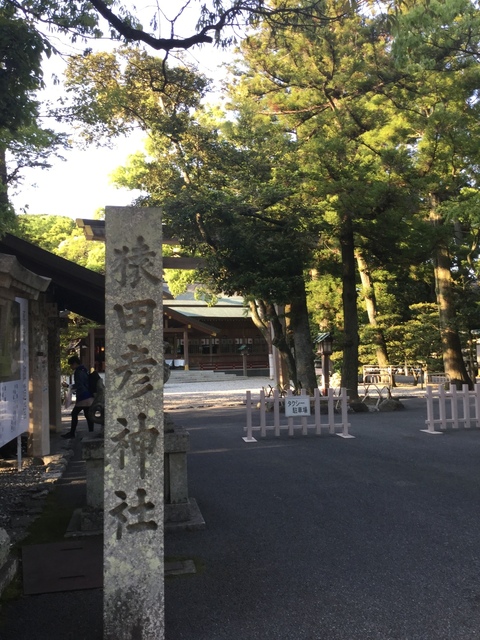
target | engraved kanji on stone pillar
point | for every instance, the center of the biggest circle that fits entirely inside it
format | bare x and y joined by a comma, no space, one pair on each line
134,451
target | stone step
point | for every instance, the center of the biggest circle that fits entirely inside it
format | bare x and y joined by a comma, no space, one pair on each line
179,376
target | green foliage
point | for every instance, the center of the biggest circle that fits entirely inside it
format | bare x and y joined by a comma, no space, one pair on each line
21,49
203,293
417,340
178,280
77,328
86,253
76,19
7,215
60,235
46,231
113,93
325,302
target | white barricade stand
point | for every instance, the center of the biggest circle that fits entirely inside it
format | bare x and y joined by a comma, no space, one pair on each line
448,406
297,414
249,437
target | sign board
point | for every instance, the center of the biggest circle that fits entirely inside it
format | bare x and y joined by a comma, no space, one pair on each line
297,406
13,369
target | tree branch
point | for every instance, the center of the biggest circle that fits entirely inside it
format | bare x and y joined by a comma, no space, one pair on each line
166,44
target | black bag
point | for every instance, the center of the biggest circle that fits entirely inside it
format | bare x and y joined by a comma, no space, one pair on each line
93,379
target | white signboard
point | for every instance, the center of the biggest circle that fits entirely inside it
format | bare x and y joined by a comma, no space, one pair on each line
13,369
297,406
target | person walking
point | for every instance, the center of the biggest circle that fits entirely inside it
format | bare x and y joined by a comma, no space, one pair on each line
84,399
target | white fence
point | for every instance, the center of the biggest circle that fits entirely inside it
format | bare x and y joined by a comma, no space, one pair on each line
452,408
335,420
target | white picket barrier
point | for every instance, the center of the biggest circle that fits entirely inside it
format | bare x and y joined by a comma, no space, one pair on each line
452,408
277,422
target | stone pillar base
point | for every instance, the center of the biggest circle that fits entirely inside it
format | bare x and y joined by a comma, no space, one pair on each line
183,517
93,452
86,521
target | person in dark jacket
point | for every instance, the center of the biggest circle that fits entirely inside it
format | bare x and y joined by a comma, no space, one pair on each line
84,398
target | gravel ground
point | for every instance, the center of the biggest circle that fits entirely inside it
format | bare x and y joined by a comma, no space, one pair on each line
23,492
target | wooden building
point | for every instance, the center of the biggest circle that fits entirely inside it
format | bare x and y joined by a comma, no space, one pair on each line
222,337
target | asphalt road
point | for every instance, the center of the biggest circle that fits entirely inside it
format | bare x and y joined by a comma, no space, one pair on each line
321,538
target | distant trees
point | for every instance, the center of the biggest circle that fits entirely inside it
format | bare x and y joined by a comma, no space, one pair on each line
61,236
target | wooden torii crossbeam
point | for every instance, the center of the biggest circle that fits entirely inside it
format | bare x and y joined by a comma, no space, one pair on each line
95,230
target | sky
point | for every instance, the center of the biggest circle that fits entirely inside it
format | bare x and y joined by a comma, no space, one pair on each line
78,186
81,184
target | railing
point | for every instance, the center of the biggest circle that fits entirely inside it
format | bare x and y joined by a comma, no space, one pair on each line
452,408
376,393
440,378
276,422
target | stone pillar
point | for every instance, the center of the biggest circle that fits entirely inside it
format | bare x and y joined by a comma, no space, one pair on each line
39,432
134,474
54,373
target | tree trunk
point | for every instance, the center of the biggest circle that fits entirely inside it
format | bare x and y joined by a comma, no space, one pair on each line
261,320
7,214
453,362
304,358
350,313
371,307
279,341
3,178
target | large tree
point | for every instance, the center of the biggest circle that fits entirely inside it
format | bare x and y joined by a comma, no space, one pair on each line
324,82
230,189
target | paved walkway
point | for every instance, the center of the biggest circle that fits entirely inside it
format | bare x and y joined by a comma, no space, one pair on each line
232,391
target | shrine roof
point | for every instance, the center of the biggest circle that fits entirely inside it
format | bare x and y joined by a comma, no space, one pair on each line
225,307
72,287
